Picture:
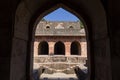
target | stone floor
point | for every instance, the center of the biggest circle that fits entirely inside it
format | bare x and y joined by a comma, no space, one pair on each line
58,76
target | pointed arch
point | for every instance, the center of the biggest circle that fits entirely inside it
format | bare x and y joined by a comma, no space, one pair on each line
29,12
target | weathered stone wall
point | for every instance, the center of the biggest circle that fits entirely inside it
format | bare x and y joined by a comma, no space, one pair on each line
59,28
53,24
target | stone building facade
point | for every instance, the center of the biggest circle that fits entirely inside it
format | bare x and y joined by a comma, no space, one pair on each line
60,38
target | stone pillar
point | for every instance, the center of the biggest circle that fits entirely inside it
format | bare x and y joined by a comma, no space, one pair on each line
51,47
83,49
67,48
36,44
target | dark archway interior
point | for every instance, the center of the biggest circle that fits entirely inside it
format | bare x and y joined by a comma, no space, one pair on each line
75,48
59,48
43,48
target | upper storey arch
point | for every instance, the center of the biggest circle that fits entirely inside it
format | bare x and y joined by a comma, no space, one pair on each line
59,48
75,48
43,48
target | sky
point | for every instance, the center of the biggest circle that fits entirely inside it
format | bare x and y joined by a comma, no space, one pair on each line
60,15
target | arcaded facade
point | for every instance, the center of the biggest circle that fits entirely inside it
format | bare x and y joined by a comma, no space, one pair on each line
60,38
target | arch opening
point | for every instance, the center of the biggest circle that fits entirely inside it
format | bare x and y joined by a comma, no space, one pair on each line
59,37
59,48
92,24
75,48
43,48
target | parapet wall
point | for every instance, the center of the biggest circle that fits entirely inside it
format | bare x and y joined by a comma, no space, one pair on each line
59,28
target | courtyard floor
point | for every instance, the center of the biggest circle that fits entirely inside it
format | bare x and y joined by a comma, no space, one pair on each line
58,76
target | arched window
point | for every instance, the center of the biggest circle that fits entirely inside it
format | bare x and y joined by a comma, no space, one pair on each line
43,48
47,27
59,48
75,48
70,27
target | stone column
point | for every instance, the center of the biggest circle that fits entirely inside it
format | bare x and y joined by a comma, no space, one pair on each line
36,44
83,49
67,48
51,47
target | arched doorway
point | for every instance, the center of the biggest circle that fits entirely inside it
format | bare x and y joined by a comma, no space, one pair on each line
75,48
43,48
94,15
59,48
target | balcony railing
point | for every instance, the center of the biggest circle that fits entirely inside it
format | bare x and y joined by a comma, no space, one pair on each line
48,59
59,62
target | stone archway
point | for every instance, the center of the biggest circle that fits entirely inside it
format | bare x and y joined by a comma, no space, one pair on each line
75,48
59,48
28,15
43,48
